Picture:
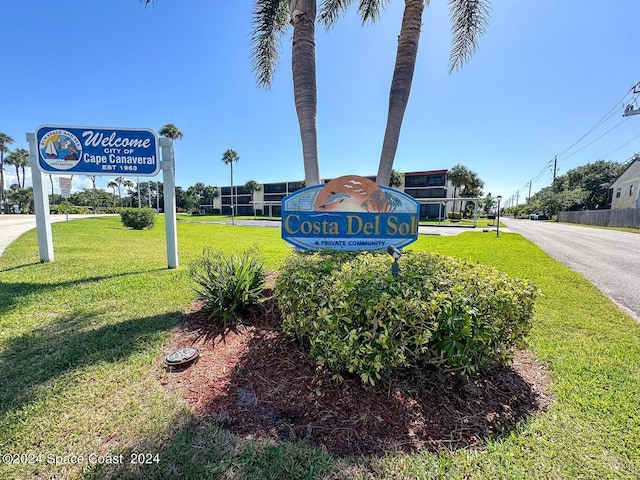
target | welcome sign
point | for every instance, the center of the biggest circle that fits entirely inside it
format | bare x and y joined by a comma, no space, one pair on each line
349,213
97,151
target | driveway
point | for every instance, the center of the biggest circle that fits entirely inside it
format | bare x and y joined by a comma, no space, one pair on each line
608,258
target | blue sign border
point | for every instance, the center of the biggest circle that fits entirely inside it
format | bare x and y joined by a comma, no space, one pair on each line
98,151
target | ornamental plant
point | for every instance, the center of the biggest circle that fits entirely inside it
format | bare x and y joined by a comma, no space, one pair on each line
138,218
356,317
229,285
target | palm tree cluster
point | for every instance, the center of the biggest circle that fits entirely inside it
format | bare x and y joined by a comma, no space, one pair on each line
466,183
270,19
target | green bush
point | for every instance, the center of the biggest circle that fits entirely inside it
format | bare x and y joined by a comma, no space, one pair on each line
357,318
229,285
68,208
138,218
454,215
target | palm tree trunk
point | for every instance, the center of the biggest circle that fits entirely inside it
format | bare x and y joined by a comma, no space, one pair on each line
400,85
303,16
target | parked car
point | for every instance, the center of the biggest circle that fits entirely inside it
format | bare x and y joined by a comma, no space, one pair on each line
538,216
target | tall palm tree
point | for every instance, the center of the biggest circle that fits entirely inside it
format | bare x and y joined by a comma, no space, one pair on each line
230,157
113,185
19,158
270,18
458,176
129,184
468,20
252,187
169,130
4,141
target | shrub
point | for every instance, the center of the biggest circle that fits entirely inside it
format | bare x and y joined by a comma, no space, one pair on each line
138,218
229,285
356,317
68,208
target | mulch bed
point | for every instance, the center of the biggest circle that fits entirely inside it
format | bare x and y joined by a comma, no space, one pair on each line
256,381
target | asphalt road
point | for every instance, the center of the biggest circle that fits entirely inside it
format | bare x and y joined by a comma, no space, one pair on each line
609,259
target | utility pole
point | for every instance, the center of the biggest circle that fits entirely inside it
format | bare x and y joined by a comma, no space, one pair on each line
555,167
529,197
629,110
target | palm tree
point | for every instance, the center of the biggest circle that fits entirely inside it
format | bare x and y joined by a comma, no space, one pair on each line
468,19
4,141
169,130
270,18
129,185
113,185
252,187
229,157
458,176
19,158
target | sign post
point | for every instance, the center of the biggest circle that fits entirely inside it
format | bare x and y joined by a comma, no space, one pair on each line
169,179
65,190
41,203
99,151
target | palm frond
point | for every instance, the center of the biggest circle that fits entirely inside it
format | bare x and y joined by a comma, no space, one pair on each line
330,11
270,20
370,9
468,22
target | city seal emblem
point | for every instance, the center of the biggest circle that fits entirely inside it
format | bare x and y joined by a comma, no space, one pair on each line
60,149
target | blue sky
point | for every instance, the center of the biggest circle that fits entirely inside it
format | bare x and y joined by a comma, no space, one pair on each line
545,73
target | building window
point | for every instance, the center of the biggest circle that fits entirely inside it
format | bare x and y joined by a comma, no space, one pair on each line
275,188
630,189
618,192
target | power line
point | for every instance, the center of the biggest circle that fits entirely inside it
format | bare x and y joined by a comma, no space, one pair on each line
606,117
596,139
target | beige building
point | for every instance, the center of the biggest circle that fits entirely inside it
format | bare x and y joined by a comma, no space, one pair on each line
626,189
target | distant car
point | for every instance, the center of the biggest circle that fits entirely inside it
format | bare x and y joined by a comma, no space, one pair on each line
538,216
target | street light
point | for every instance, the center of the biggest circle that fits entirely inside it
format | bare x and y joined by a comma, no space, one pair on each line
499,197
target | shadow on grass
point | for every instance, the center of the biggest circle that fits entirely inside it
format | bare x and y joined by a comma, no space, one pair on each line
18,267
12,292
44,354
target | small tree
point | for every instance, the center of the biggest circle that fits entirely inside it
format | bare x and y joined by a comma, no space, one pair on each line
230,157
252,186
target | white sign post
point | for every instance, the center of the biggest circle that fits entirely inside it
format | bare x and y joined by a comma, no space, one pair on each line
99,151
41,203
169,178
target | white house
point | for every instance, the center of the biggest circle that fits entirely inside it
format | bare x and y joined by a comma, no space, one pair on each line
626,188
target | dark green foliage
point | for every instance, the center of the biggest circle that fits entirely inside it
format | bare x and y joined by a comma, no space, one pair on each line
230,285
68,208
358,318
138,218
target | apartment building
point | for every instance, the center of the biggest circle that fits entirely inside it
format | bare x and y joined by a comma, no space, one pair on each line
430,188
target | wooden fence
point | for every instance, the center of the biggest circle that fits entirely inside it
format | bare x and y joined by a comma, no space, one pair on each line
627,217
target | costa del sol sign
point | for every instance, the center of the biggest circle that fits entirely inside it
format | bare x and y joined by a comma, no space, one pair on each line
349,213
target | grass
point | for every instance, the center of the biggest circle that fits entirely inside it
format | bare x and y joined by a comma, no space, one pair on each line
81,339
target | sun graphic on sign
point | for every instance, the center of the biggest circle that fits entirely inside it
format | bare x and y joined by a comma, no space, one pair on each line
352,193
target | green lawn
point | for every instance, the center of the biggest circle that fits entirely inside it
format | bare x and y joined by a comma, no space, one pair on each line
81,339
